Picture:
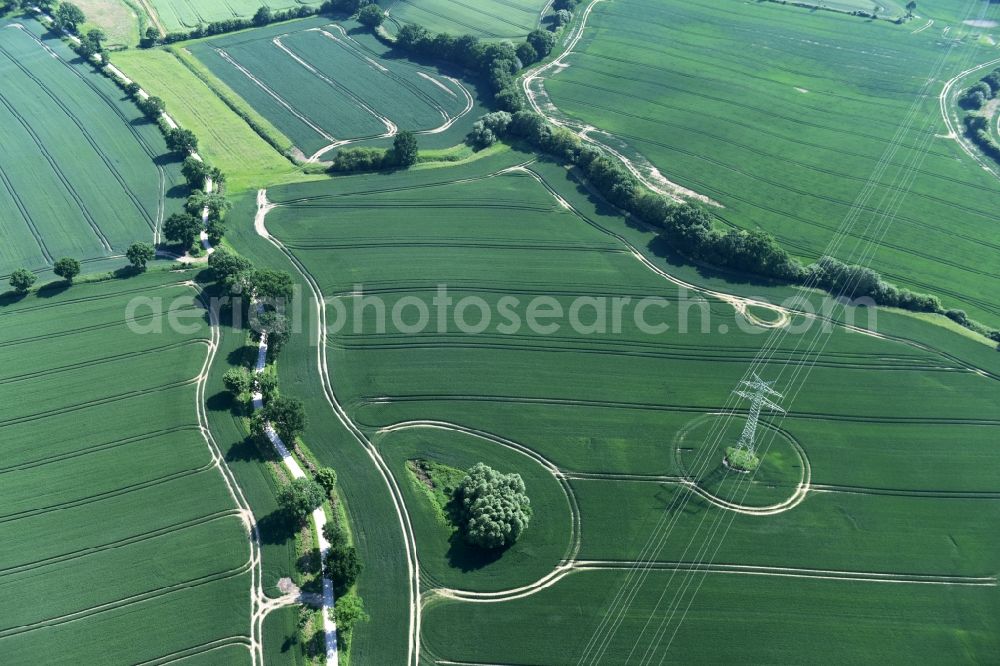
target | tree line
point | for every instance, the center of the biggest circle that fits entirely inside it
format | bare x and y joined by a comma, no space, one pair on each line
690,228
297,499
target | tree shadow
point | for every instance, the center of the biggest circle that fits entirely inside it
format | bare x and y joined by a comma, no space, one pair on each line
11,297
464,556
242,356
53,288
289,643
220,402
179,192
276,528
126,272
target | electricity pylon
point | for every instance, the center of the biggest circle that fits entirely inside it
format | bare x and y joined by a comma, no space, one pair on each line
757,392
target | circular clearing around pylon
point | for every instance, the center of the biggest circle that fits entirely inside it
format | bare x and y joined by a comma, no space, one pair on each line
779,481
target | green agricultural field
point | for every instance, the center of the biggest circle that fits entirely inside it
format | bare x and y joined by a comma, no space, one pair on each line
322,87
80,174
487,19
797,122
225,139
488,306
183,15
881,506
119,535
120,20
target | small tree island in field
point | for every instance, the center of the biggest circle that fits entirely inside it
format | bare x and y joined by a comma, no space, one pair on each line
493,509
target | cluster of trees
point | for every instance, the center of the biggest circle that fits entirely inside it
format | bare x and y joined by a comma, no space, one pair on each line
237,275
496,62
493,509
980,92
977,128
689,229
961,318
91,44
22,280
853,281
184,228
343,565
181,228
404,153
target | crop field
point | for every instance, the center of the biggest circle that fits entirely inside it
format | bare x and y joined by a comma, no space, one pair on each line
119,19
324,88
183,15
119,536
719,467
225,139
865,509
80,174
795,121
486,19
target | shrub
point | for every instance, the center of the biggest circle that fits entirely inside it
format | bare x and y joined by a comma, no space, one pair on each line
542,41
335,535
493,507
278,330
526,53
487,130
68,16
263,16
151,106
349,160
272,286
327,477
348,611
181,140
741,459
226,264
958,316
195,171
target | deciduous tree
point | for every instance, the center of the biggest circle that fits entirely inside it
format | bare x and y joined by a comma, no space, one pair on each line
21,280
288,418
139,254
67,268
494,509
300,498
182,228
